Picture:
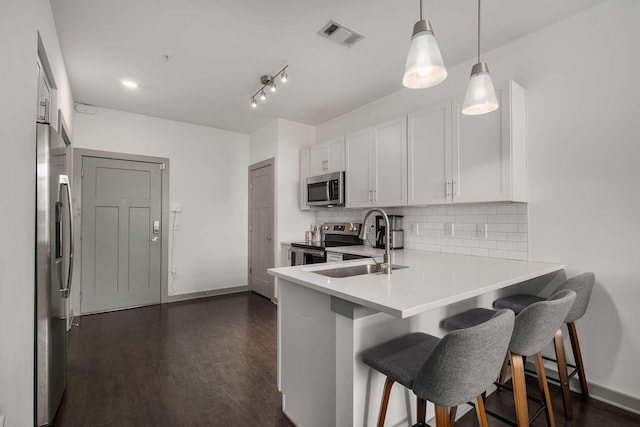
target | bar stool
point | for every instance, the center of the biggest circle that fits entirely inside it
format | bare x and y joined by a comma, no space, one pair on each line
448,371
534,327
582,285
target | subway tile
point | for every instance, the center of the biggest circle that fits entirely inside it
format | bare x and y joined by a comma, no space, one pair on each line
433,248
517,219
523,228
522,208
517,237
448,249
480,252
471,243
488,244
497,236
463,251
507,209
508,228
497,219
508,246
522,246
493,253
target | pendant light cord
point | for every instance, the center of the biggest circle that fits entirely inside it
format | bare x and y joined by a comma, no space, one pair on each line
421,10
478,31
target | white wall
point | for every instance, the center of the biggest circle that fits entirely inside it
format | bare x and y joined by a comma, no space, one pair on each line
584,151
283,140
20,21
292,222
208,176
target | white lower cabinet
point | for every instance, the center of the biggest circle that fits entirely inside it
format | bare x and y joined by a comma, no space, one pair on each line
376,165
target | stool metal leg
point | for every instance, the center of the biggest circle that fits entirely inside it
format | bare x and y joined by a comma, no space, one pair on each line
422,411
561,360
385,401
544,388
452,415
577,355
481,412
519,390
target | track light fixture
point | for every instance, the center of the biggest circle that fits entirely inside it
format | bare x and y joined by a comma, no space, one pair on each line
270,82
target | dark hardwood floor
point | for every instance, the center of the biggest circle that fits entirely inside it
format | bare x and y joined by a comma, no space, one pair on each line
212,362
206,362
586,412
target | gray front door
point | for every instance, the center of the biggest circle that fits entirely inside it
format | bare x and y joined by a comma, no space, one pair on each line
121,234
261,229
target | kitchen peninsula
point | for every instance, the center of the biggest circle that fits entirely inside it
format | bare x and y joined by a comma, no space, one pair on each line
324,323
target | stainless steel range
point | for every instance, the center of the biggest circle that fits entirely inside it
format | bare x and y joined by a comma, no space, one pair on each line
333,234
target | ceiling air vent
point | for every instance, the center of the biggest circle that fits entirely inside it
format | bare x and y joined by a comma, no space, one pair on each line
340,34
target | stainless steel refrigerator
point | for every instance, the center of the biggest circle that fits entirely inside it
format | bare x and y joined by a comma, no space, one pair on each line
54,266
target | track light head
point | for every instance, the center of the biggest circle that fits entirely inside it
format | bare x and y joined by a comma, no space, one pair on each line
254,104
263,96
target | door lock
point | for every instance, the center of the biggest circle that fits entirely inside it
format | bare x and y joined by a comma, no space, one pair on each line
156,227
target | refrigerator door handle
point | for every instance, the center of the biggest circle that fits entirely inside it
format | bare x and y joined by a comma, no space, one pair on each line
64,181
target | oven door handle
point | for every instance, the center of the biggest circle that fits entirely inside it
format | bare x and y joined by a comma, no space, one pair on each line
313,252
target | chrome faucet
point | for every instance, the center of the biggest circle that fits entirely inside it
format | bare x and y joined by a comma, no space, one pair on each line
386,265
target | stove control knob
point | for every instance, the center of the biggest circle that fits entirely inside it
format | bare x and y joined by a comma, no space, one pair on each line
326,227
353,228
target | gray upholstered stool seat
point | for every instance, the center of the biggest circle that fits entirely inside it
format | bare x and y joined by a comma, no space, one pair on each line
448,371
401,359
469,318
582,285
534,326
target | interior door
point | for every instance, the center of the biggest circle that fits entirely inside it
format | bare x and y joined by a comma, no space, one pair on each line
121,234
261,230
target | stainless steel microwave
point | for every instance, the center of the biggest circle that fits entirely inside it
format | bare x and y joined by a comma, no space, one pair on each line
326,190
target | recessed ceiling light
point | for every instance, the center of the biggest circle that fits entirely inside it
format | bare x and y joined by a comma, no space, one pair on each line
129,83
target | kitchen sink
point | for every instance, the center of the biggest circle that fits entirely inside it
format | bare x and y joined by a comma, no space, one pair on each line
355,270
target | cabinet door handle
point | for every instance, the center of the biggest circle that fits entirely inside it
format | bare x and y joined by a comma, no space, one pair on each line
453,188
374,196
370,192
447,194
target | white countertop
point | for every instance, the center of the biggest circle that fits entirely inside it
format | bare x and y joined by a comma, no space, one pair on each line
432,280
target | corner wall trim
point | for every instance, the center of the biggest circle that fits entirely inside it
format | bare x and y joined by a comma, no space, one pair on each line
204,294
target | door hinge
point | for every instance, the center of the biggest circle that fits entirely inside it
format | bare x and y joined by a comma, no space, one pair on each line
250,186
82,173
249,270
163,166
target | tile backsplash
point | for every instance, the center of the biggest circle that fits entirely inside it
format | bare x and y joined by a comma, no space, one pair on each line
506,236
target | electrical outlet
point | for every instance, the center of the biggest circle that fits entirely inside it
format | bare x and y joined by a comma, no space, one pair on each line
482,231
175,226
173,269
450,229
415,228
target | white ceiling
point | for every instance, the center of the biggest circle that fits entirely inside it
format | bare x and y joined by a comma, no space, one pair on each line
219,49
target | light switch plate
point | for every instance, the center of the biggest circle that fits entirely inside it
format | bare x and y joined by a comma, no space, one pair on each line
449,229
482,231
175,207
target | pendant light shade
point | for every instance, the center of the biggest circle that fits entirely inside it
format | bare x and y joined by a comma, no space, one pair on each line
481,95
424,67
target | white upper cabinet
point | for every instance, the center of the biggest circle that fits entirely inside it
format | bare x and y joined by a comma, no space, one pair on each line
376,172
327,157
489,151
358,171
390,163
429,155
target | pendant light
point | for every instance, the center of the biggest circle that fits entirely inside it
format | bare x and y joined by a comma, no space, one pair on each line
424,67
481,95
